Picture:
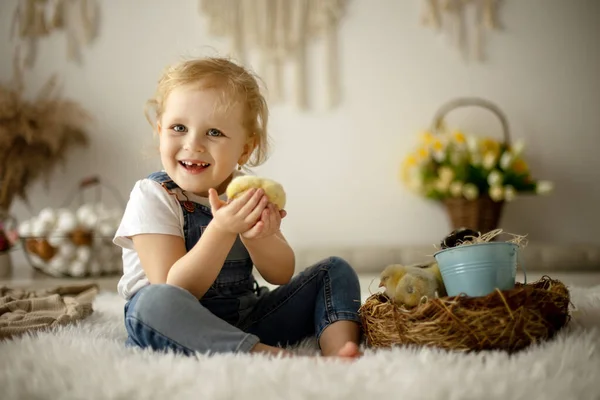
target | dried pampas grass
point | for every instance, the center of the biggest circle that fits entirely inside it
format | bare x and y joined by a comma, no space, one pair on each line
35,135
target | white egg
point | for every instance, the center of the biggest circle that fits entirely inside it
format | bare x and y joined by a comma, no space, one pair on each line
66,221
64,267
57,262
83,253
67,250
57,273
105,230
84,210
56,238
89,221
25,228
48,215
77,268
39,228
36,260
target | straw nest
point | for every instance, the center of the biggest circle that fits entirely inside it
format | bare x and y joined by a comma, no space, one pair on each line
503,320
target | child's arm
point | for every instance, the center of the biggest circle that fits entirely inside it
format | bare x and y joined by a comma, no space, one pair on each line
273,258
164,258
270,252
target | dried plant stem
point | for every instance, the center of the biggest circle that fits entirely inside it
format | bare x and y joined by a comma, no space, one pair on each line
35,135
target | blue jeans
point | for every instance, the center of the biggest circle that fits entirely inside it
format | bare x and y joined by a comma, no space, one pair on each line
165,317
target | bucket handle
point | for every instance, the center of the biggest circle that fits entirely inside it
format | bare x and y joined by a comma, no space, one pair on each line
520,263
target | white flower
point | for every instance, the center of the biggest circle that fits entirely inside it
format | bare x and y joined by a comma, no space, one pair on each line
472,144
470,191
544,187
496,193
489,160
506,160
441,185
495,178
518,147
446,174
439,155
509,193
456,188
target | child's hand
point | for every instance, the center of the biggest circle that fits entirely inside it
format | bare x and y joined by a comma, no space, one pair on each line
241,214
269,223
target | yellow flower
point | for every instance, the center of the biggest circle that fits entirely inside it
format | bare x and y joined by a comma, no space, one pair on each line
520,166
407,167
422,153
489,160
426,137
438,149
459,137
410,161
489,146
437,145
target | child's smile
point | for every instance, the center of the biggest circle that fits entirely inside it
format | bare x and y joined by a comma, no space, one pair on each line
194,166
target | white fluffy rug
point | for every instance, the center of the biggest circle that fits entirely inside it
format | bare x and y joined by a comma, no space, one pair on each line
89,361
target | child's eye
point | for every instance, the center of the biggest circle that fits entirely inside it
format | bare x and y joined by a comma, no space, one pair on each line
179,128
214,132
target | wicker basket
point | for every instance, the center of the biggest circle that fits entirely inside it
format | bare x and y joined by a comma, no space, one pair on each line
482,214
504,320
92,251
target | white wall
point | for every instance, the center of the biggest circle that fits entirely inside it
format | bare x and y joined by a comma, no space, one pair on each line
340,167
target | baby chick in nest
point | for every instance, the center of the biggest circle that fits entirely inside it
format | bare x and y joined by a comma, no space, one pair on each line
407,285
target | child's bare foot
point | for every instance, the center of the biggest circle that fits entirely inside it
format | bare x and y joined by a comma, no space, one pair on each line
349,351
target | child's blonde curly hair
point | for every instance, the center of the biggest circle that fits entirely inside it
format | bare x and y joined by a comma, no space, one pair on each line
237,84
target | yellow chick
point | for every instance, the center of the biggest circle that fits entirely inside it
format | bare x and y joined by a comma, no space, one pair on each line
273,190
406,285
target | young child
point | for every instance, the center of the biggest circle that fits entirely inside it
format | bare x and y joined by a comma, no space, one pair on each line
188,253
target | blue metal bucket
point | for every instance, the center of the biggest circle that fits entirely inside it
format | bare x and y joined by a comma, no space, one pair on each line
478,269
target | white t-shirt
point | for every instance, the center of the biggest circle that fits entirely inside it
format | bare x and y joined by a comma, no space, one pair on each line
150,209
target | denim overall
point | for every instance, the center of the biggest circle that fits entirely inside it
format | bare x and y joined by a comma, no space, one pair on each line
235,313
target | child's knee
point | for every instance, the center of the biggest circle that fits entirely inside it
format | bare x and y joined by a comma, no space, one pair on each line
157,302
341,267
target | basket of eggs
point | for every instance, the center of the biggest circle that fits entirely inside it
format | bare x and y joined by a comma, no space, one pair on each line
75,240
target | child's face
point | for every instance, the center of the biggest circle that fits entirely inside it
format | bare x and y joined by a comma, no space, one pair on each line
200,144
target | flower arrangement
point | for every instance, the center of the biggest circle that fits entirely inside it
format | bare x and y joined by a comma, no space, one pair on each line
456,165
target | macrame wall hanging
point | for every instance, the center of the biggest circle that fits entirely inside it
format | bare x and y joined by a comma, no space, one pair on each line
37,19
458,17
277,33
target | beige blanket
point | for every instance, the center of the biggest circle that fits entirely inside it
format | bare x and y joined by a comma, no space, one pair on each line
24,310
